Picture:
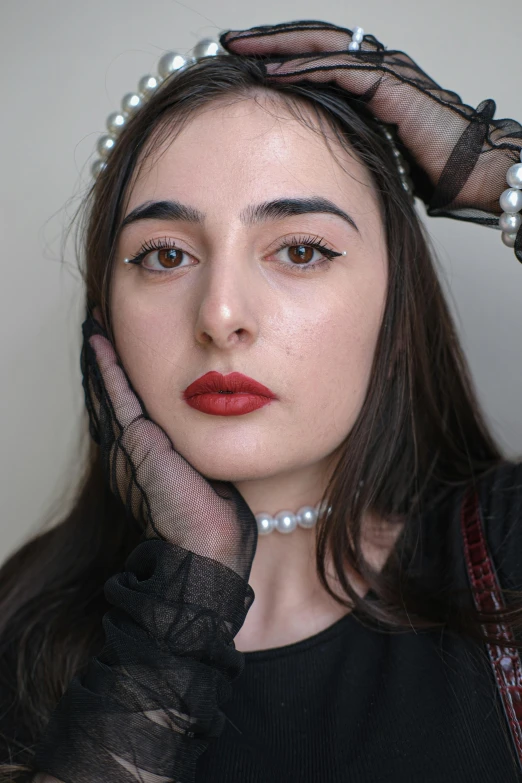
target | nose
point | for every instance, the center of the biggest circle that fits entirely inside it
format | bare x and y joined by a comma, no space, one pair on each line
227,307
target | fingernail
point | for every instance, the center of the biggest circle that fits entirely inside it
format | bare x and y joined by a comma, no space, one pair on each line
92,342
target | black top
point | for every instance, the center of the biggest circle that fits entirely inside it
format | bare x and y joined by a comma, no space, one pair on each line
354,703
358,703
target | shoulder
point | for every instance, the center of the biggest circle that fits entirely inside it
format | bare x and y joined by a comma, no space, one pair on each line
434,544
500,494
500,489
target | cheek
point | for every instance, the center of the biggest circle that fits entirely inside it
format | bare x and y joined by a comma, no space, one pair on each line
332,363
151,339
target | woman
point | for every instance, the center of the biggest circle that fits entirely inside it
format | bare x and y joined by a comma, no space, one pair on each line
252,218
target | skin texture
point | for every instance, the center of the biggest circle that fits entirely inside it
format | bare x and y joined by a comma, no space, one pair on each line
236,303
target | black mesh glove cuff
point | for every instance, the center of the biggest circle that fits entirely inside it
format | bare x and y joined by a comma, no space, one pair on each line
149,702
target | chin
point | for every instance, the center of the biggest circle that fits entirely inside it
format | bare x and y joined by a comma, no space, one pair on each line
234,470
231,476
223,460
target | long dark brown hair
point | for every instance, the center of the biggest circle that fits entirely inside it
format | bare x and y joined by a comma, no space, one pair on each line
420,431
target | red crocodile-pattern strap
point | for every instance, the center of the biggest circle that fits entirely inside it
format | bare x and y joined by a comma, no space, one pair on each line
505,660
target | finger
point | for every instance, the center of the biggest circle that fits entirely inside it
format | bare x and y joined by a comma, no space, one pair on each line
287,39
354,76
286,42
125,404
321,69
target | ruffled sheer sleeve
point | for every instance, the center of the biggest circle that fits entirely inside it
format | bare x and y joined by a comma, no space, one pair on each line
149,703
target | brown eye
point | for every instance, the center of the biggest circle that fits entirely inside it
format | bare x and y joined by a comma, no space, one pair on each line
162,254
301,254
170,257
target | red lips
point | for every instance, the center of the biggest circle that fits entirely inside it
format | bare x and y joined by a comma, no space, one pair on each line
233,383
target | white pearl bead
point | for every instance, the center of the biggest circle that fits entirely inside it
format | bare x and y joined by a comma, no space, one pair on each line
265,523
509,222
358,34
514,176
105,145
115,122
353,46
306,517
147,84
169,63
131,102
285,522
511,200
509,239
97,167
206,48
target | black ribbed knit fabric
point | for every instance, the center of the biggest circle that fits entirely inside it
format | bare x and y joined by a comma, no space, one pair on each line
354,704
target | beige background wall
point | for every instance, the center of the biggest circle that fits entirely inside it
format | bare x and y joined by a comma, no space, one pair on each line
65,64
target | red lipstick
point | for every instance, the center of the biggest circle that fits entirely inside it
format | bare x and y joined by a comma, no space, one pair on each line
227,395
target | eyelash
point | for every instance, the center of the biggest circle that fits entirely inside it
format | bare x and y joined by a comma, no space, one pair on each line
317,243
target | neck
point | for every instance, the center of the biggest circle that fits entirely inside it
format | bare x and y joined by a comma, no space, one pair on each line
290,602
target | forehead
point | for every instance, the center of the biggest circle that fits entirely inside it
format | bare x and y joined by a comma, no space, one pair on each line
230,150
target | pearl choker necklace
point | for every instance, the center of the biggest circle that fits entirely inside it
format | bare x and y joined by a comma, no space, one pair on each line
287,521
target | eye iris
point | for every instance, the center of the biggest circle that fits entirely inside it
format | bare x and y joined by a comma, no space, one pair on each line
304,253
167,257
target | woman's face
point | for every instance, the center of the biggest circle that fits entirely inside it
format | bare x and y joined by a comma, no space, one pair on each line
234,296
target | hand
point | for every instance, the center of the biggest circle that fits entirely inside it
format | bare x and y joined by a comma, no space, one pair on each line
459,156
149,702
155,483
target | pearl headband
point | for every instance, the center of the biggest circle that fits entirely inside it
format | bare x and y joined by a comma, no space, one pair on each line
172,62
147,85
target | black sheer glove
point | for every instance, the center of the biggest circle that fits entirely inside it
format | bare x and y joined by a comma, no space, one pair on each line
148,704
459,156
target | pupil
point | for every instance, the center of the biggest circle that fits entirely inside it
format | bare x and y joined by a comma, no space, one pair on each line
302,253
168,257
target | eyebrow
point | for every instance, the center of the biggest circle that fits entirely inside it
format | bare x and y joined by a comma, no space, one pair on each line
251,215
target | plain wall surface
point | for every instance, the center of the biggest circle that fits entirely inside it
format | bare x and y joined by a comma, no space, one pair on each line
65,65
